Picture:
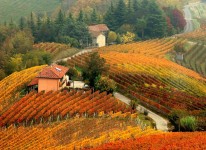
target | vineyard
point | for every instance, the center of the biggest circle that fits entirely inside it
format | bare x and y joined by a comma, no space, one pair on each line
73,133
57,50
52,106
156,83
13,84
154,48
168,141
195,59
197,35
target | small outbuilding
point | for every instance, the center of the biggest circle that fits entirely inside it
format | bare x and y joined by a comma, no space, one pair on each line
98,33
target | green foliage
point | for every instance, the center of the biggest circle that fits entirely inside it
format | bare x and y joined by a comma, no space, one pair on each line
180,47
72,73
2,74
175,116
103,83
188,123
95,66
112,37
128,37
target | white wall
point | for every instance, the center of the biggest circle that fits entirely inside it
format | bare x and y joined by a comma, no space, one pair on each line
101,40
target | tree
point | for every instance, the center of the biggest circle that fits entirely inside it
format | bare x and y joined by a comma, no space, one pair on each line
72,73
140,26
22,23
81,16
120,13
112,36
95,66
110,18
103,83
128,37
94,18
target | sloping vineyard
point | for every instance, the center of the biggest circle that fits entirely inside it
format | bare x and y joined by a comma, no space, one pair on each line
195,59
195,140
197,35
154,48
72,134
13,84
37,108
157,83
57,50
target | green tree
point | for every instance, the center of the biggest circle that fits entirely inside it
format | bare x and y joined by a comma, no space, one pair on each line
110,18
103,83
95,66
112,37
94,17
22,23
81,16
120,13
140,26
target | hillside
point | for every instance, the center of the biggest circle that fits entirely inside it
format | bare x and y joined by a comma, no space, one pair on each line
12,86
161,141
154,82
57,50
53,106
10,9
71,134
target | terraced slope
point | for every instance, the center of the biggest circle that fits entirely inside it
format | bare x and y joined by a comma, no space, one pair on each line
71,134
182,141
156,83
12,85
57,50
52,106
195,59
154,48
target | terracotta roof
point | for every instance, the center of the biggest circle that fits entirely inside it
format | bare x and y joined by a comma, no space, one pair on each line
53,72
99,28
34,82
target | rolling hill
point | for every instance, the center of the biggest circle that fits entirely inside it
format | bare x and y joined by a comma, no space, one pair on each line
153,81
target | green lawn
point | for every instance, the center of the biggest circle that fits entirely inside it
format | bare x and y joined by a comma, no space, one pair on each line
16,8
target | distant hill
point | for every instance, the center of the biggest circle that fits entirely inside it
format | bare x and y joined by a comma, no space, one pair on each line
15,9
10,9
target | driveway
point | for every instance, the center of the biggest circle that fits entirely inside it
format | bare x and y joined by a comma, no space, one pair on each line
161,123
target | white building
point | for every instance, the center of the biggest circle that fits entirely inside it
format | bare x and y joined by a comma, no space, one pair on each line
98,33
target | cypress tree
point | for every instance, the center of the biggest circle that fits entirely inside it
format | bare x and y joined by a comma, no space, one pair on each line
120,13
94,18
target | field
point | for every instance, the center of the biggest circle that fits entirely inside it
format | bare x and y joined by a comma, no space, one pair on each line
184,141
72,134
57,50
12,86
195,59
54,106
16,8
153,81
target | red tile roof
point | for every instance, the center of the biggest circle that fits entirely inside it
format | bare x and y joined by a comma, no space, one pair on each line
34,82
98,28
53,72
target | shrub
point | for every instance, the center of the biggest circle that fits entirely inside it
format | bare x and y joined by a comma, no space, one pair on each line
188,123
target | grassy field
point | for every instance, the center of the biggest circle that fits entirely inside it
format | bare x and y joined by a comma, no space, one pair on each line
16,8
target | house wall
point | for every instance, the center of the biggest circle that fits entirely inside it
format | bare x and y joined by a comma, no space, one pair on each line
101,40
48,85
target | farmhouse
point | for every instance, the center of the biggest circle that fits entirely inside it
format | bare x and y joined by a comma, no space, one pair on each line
98,33
51,78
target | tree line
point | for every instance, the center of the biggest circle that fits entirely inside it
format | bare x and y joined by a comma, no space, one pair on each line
145,18
17,53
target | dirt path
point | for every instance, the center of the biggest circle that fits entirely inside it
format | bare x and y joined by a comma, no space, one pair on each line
161,123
